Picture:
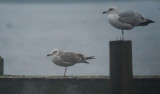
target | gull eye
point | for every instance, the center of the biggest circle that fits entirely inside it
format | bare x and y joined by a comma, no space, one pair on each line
110,9
54,52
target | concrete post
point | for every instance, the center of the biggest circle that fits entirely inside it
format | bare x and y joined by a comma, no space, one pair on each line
1,65
121,75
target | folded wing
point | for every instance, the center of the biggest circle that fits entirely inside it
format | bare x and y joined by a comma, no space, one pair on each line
131,17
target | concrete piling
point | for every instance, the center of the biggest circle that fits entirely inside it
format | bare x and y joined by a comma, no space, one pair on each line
1,65
121,75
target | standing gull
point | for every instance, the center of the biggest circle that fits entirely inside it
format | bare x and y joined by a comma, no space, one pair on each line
66,59
125,20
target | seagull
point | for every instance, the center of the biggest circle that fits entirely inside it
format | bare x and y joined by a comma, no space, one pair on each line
125,20
65,59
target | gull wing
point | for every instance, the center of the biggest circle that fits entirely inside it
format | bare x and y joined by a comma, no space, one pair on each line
70,57
131,17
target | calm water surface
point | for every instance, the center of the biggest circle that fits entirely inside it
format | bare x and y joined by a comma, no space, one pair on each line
29,31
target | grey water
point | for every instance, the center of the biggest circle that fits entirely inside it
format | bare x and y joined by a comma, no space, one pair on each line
28,31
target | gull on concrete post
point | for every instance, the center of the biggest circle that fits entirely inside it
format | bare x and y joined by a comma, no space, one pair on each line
65,59
125,20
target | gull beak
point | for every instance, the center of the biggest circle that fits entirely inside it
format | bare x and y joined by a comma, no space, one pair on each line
49,54
104,12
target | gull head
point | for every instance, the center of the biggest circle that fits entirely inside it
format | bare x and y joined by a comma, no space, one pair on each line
112,10
53,52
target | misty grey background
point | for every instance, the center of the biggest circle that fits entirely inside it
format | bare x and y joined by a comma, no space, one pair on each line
28,31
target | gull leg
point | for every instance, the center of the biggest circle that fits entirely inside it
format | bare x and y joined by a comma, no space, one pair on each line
65,71
122,34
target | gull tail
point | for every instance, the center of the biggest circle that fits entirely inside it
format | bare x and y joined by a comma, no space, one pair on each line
90,57
87,58
83,58
148,21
